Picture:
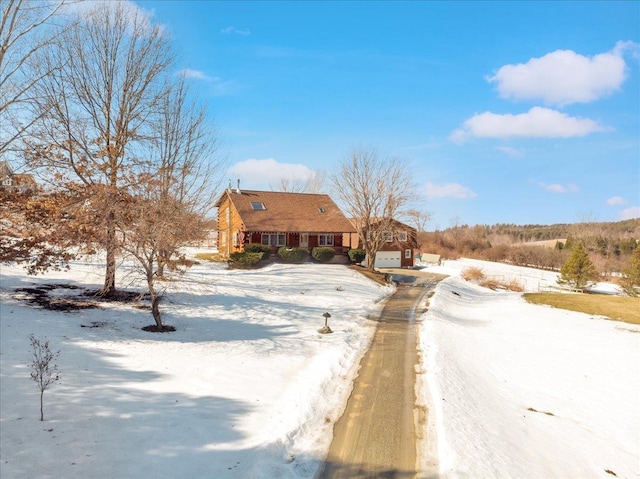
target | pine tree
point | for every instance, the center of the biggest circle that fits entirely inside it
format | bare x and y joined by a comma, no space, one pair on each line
631,275
578,272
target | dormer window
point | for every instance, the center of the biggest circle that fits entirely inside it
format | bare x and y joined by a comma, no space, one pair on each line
402,236
258,206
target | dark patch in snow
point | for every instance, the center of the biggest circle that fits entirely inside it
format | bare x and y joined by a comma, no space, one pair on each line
541,412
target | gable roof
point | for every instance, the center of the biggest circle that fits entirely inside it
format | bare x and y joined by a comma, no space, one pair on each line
288,212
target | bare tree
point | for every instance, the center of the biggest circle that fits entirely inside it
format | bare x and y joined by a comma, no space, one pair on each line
25,31
313,184
105,83
373,189
44,370
186,165
145,225
419,219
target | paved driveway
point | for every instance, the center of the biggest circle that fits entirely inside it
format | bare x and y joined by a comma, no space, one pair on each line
375,437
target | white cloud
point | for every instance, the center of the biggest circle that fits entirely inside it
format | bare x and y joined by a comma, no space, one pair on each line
510,151
557,188
564,77
237,31
538,122
616,200
268,171
630,213
449,190
196,74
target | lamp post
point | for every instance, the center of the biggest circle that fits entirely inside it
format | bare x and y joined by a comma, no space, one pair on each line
325,329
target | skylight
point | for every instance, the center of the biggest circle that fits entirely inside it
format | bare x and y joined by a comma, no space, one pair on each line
258,206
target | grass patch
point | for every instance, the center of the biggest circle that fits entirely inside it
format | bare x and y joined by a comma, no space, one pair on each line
212,257
473,274
617,308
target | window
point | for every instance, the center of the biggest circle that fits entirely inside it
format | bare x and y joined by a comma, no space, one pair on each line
273,239
325,240
321,209
387,236
227,213
402,236
258,206
407,253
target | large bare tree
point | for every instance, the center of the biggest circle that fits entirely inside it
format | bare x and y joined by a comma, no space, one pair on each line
186,165
25,31
373,190
105,84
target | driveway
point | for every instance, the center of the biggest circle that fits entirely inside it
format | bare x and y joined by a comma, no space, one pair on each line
375,437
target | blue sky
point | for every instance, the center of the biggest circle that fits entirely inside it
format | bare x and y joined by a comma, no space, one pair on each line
504,112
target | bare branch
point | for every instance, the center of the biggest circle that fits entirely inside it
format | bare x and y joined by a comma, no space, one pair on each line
373,189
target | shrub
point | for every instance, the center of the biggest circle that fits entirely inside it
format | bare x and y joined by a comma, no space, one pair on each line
511,285
323,253
244,260
472,274
264,249
293,255
357,255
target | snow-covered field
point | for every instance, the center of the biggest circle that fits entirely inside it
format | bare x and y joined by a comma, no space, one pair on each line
246,387
523,391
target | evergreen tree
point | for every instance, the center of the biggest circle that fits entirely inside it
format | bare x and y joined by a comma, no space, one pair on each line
631,275
578,272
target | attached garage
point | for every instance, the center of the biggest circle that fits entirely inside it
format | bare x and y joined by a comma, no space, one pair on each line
388,259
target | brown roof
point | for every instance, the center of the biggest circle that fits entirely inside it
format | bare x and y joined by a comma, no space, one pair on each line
289,212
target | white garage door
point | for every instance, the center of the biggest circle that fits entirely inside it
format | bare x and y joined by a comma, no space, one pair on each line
388,259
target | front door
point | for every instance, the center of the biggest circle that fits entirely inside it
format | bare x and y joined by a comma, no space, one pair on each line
304,240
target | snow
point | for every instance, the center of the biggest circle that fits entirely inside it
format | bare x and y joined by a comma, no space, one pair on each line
525,391
246,387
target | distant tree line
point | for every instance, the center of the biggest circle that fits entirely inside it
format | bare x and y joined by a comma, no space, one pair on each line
608,245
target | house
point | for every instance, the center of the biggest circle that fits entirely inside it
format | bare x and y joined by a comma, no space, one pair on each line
278,219
398,247
21,183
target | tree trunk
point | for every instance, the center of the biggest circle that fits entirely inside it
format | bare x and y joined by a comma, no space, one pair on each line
41,405
371,258
110,273
155,310
155,299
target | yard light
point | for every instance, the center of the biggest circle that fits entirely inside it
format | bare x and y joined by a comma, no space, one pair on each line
325,329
